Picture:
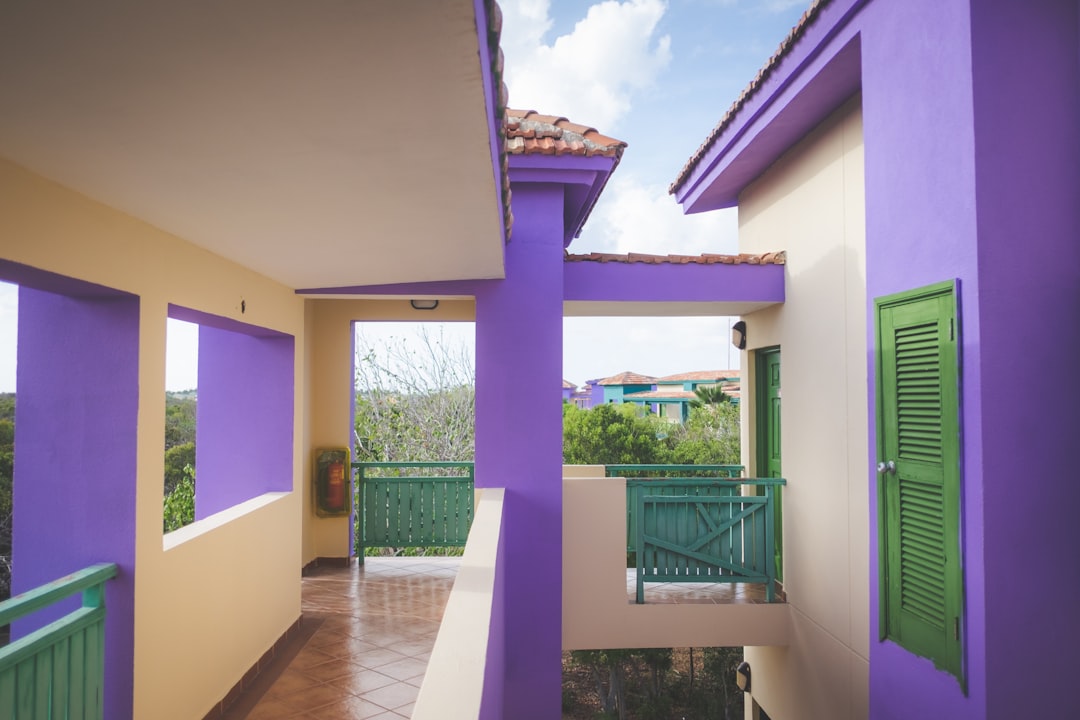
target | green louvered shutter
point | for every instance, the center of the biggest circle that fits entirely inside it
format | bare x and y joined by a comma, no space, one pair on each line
919,511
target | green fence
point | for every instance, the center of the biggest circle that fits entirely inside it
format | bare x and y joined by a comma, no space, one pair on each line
57,671
705,531
420,504
670,480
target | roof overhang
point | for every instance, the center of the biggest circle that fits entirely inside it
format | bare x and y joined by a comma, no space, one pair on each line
817,74
582,178
320,144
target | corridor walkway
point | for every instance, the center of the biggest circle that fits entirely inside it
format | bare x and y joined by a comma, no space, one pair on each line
364,644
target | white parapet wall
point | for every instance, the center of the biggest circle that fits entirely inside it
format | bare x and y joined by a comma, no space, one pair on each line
596,611
453,686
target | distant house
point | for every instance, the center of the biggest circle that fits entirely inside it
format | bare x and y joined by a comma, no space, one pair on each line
670,396
617,387
568,390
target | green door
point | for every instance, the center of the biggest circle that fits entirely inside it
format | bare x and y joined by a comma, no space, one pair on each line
768,444
919,473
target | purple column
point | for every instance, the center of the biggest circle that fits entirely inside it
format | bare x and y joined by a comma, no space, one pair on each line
245,417
1026,60
519,443
75,467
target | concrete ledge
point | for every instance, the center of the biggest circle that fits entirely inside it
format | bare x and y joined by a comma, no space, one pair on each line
453,686
596,613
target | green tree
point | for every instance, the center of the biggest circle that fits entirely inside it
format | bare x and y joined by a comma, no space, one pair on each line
177,458
709,395
180,503
414,403
612,435
709,437
7,471
179,419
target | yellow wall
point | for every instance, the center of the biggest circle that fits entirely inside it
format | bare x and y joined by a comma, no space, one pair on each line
596,611
330,340
811,204
211,599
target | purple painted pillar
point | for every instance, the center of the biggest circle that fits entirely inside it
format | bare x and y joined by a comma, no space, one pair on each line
75,467
245,417
519,443
1028,157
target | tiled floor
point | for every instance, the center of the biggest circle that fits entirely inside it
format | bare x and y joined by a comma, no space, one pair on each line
698,593
374,630
367,635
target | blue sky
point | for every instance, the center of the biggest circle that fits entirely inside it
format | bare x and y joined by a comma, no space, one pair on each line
656,74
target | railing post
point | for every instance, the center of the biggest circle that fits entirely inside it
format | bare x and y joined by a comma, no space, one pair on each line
639,545
358,523
770,545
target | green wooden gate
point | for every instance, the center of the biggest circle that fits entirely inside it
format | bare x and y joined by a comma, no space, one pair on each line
723,537
57,671
420,504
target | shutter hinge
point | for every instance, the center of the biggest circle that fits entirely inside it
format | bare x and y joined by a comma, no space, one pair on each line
956,628
952,329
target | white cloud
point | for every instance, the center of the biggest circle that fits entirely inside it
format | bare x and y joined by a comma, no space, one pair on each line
591,74
635,217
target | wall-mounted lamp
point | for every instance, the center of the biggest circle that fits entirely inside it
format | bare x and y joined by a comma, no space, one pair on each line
424,304
742,676
738,335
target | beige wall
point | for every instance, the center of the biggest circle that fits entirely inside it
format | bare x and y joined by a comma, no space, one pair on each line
210,599
596,611
330,340
810,203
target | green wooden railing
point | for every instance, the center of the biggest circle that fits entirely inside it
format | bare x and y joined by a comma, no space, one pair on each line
705,531
669,480
424,508
57,671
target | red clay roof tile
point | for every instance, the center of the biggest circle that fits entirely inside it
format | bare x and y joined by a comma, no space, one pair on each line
805,22
771,258
530,133
627,378
700,375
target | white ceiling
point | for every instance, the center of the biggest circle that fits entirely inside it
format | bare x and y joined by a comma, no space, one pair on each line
322,143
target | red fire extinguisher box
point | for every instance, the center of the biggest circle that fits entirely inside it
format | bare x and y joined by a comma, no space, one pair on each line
332,482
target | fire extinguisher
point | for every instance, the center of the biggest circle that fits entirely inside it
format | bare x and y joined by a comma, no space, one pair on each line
335,486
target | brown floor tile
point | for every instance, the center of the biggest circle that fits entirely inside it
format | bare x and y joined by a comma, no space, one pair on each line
366,659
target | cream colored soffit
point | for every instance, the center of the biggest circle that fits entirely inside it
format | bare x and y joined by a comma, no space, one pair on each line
323,144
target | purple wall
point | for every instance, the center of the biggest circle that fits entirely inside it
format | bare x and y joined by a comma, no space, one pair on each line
1027,184
244,431
519,443
491,705
645,282
75,469
921,229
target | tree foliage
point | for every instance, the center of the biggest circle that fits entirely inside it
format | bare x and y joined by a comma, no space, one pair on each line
180,503
414,404
7,472
612,435
179,418
709,436
709,395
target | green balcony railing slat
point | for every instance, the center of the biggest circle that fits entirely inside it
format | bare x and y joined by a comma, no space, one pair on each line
406,509
697,529
57,671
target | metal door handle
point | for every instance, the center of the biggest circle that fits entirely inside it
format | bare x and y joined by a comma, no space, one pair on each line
887,467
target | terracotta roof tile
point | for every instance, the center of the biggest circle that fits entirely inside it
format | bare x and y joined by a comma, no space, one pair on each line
567,385
627,378
772,258
700,375
501,93
789,42
530,133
